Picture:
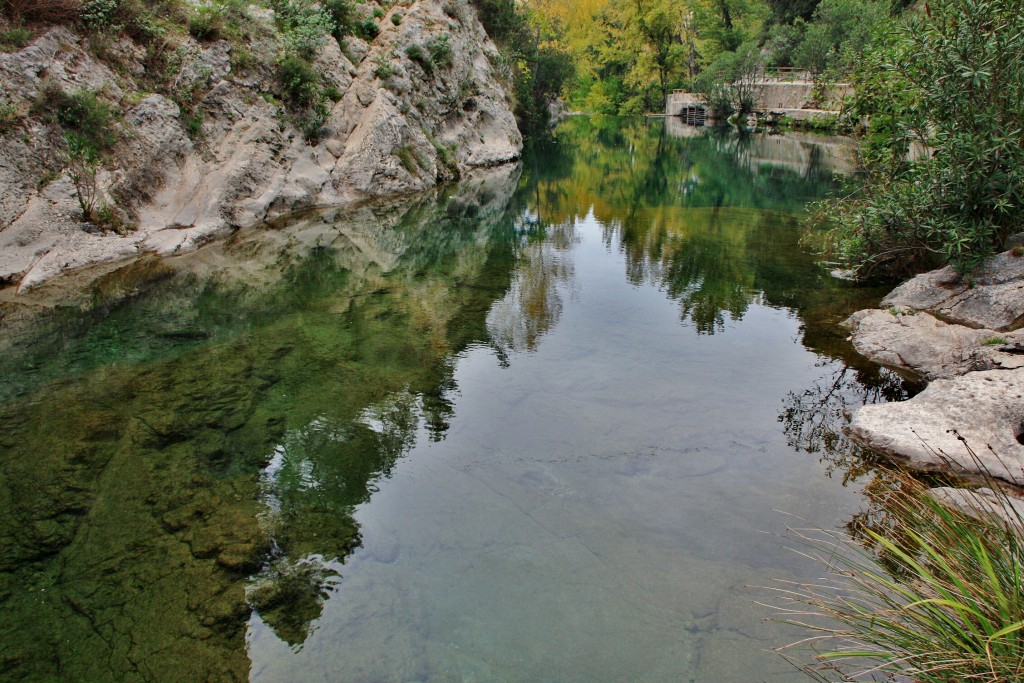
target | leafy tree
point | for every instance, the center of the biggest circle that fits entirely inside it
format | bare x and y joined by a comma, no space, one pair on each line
951,78
836,40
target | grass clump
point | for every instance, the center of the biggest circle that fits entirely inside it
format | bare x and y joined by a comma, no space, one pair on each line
409,159
994,341
918,590
416,53
14,38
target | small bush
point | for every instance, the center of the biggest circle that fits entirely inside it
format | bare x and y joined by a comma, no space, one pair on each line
101,15
417,54
300,82
194,125
453,9
342,17
83,166
304,26
383,68
396,19
14,38
994,341
367,30
81,113
304,95
378,13
206,24
440,51
8,114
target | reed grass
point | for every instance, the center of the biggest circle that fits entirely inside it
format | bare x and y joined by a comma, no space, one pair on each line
920,590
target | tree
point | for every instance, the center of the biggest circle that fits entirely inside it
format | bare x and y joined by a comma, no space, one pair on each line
951,78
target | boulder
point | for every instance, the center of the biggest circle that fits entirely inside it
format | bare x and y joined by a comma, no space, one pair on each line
928,347
992,298
969,425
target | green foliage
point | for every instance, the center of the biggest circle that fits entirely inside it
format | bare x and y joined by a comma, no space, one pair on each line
367,29
416,53
342,17
206,24
83,161
383,68
396,19
950,80
100,15
502,19
194,125
727,83
919,591
446,157
82,113
839,35
304,26
440,51
8,114
299,80
304,95
14,38
994,341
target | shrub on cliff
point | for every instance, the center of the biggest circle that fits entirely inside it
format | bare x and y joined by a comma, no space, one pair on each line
950,80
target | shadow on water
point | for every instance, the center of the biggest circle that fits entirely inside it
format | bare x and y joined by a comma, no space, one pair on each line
187,444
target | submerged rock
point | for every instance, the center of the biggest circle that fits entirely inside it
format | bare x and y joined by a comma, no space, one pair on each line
971,425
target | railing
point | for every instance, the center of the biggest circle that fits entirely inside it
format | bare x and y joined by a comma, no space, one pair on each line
783,73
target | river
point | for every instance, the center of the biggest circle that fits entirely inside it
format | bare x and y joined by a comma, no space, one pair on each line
549,424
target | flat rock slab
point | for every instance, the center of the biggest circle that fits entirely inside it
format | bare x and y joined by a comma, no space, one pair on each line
994,298
929,347
986,408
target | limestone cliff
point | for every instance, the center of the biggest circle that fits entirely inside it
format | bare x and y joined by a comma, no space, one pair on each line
397,124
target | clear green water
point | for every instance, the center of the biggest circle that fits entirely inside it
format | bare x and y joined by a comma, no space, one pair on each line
536,427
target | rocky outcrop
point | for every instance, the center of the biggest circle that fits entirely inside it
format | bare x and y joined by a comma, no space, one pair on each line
970,420
393,130
929,347
992,298
969,424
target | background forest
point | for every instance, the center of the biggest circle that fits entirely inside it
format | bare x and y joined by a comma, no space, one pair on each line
629,54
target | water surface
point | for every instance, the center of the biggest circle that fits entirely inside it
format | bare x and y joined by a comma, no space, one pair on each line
534,427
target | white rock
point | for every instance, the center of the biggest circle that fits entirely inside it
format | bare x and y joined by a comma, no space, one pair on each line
986,408
928,347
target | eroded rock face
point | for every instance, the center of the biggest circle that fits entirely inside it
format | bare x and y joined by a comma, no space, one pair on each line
993,299
929,347
402,133
985,408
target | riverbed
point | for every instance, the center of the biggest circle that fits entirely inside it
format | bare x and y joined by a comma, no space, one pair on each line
549,424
